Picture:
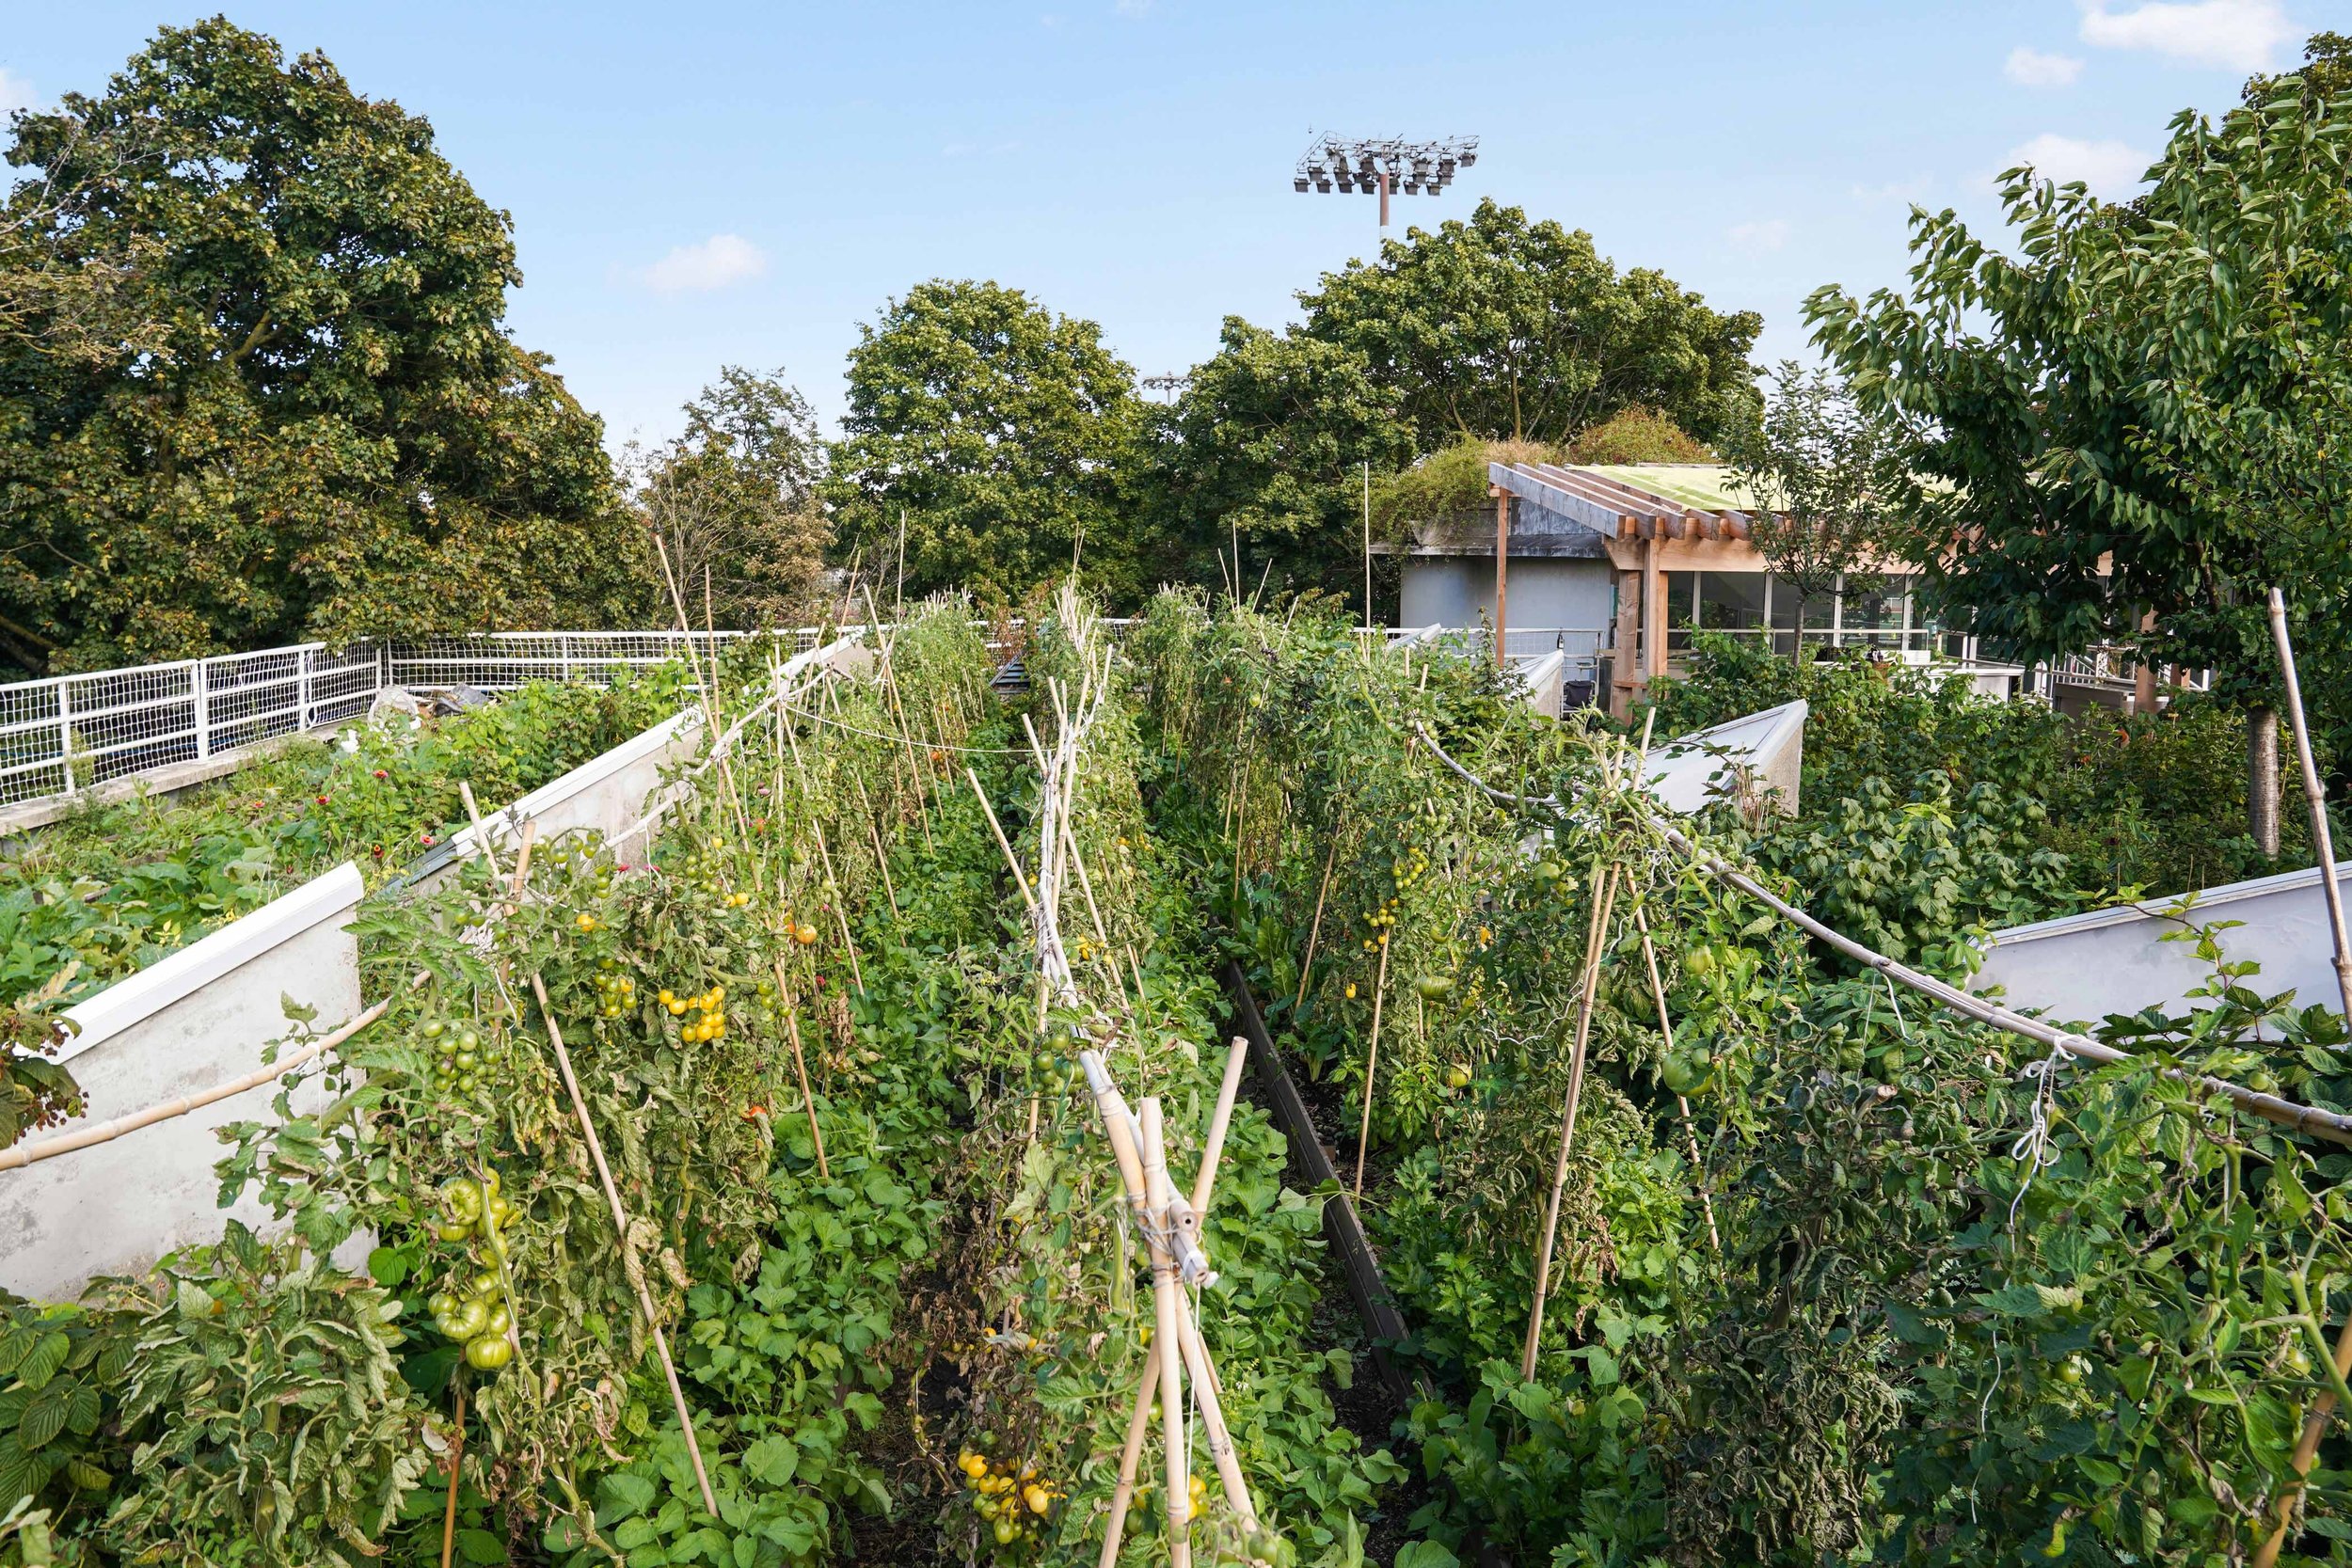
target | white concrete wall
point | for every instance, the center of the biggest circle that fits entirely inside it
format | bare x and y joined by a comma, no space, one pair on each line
1458,590
1756,758
2087,966
195,1019
1543,677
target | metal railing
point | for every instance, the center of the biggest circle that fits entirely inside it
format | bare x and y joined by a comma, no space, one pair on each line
67,734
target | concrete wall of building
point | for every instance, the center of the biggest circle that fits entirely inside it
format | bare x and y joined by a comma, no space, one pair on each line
193,1020
1459,591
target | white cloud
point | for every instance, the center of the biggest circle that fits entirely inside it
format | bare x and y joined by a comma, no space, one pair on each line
2110,169
1760,236
718,261
2031,68
1899,193
2243,35
15,93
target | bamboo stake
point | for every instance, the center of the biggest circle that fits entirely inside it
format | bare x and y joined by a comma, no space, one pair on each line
1131,1456
2315,797
620,1235
873,829
1603,897
1372,1064
1167,1300
1666,1028
1204,1185
800,1065
1020,878
824,858
457,1458
1314,933
106,1132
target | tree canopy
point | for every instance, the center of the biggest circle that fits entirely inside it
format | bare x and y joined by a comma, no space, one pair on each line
2146,408
1269,442
1505,330
300,414
733,503
999,435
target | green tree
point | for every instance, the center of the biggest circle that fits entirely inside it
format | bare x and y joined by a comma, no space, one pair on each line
733,503
1002,438
1503,329
1269,444
325,431
1831,486
2146,410
1638,435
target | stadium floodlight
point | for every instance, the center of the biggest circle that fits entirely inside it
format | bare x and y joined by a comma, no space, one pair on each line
1382,164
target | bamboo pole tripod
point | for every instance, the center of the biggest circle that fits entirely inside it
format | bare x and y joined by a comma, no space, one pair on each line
1167,1222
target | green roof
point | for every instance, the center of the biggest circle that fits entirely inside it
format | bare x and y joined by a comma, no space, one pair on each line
1701,486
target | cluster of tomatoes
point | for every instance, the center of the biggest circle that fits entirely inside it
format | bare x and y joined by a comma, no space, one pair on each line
480,1318
708,1009
460,1064
614,990
1015,1502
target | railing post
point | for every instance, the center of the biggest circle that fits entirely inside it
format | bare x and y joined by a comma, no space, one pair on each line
202,677
65,736
302,696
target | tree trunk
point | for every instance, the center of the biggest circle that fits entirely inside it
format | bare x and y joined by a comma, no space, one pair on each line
2261,779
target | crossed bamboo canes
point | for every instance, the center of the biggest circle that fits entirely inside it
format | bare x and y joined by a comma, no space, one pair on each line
1166,1220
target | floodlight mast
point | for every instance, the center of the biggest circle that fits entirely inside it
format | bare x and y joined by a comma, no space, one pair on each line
1382,164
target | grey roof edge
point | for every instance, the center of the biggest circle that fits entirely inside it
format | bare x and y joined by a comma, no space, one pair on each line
2154,909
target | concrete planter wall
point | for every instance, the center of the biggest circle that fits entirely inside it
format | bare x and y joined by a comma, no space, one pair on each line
197,1017
2085,967
1758,760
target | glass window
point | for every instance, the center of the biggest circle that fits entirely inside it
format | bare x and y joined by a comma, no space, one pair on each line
1874,616
1681,608
1731,601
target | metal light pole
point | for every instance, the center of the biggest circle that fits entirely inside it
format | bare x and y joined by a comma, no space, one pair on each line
1379,165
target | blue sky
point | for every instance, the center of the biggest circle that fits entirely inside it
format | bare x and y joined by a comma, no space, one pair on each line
699,184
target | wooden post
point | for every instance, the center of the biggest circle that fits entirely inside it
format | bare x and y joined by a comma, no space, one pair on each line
1624,667
1503,559
2144,674
1654,613
1372,1066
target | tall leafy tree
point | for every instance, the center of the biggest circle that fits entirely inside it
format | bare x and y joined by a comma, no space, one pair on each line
1501,329
1832,486
1001,438
1268,445
319,427
733,503
2147,409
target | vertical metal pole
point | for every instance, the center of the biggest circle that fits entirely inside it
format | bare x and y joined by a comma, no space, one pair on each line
1384,203
302,696
65,736
203,677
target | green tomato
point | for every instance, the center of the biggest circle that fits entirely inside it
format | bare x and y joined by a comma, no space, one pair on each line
455,1232
471,1317
469,1039
1432,987
488,1352
442,1305
435,1028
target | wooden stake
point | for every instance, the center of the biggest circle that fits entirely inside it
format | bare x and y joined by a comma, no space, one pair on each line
1012,862
456,1459
1603,897
1314,933
1666,1028
1372,1066
1204,1185
1131,1456
2315,797
800,1065
620,1236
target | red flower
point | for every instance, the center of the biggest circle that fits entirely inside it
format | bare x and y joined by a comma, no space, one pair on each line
381,774
322,800
426,837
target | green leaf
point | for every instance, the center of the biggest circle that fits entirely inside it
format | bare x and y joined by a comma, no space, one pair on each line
480,1546
45,1417
46,1356
1425,1554
388,1267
